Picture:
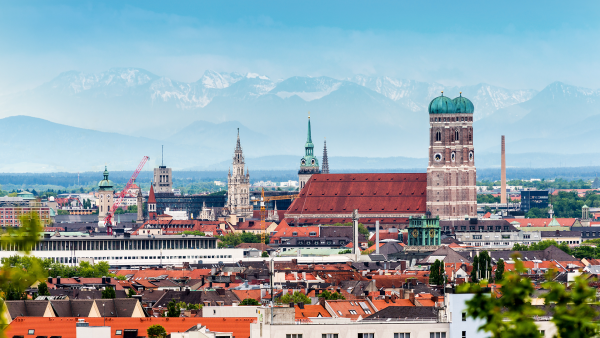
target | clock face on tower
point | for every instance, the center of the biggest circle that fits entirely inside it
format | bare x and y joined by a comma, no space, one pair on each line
437,157
303,161
471,156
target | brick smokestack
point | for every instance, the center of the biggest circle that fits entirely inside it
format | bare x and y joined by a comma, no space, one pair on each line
503,173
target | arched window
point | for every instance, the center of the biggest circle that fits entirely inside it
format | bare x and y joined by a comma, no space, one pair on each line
456,135
470,136
438,136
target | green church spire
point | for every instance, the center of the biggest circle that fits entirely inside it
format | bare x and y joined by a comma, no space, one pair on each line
309,160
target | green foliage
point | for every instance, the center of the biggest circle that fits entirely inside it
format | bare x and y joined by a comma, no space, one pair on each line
120,277
499,270
537,213
509,316
85,269
331,295
132,209
347,251
156,331
63,212
573,315
43,289
297,297
487,198
474,273
264,254
512,315
15,279
108,293
193,233
436,273
558,183
542,245
173,309
231,240
249,301
131,292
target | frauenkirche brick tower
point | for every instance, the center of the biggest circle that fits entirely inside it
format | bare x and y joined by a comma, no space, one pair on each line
451,175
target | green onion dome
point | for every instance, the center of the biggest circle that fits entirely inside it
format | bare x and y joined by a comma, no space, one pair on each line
442,105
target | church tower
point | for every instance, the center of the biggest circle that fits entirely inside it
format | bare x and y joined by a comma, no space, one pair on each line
325,168
238,184
151,204
140,207
309,164
105,196
451,175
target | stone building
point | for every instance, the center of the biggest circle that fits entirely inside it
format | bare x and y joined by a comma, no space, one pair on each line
309,164
105,196
451,175
140,207
238,185
163,180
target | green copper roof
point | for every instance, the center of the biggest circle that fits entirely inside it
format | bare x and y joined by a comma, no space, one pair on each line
463,105
442,105
309,160
105,184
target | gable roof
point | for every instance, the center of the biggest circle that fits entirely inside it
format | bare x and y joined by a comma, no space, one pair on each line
401,312
372,194
445,254
550,253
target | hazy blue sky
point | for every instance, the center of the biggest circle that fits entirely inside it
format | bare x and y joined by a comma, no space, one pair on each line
515,44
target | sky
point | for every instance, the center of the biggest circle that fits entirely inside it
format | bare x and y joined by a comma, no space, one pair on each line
513,44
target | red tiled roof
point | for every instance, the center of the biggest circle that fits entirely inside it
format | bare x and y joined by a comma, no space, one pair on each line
369,193
284,230
65,326
311,311
342,308
385,234
541,222
151,198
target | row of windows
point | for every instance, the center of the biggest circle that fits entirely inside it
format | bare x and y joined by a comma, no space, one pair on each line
76,260
451,119
372,335
146,244
481,228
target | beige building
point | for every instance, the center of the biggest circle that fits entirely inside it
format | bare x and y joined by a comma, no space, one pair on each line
105,196
238,185
451,175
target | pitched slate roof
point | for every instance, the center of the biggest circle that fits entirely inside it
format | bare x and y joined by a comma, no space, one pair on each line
369,193
550,253
446,254
401,312
28,308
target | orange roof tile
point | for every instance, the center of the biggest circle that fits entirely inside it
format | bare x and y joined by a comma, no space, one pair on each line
311,311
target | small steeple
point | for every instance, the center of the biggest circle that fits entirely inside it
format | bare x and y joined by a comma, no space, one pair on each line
325,168
238,145
309,137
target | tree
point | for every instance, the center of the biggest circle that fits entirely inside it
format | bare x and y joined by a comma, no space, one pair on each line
156,331
436,273
108,293
265,254
249,301
172,309
43,289
474,274
499,270
131,292
296,297
16,279
512,315
331,295
509,316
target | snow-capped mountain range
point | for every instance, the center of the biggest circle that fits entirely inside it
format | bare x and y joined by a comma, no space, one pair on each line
412,95
361,116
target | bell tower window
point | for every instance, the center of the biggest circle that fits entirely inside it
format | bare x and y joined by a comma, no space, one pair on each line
438,136
456,135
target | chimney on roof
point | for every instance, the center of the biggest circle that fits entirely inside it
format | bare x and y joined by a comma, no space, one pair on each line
50,280
58,280
301,305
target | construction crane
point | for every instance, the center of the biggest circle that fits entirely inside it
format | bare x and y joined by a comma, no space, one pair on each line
108,218
263,210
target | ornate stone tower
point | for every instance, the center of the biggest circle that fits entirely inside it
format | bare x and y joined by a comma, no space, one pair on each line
451,175
325,168
140,207
309,164
105,196
238,184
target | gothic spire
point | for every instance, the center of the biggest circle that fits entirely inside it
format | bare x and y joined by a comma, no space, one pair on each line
309,137
238,146
325,169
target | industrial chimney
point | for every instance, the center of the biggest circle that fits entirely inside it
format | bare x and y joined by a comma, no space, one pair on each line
503,174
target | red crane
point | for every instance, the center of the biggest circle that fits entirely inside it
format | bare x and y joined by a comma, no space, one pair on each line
108,218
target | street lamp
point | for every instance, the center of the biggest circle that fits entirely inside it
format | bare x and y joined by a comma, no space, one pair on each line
104,313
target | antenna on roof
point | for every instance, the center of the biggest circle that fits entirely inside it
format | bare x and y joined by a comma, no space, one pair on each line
162,155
